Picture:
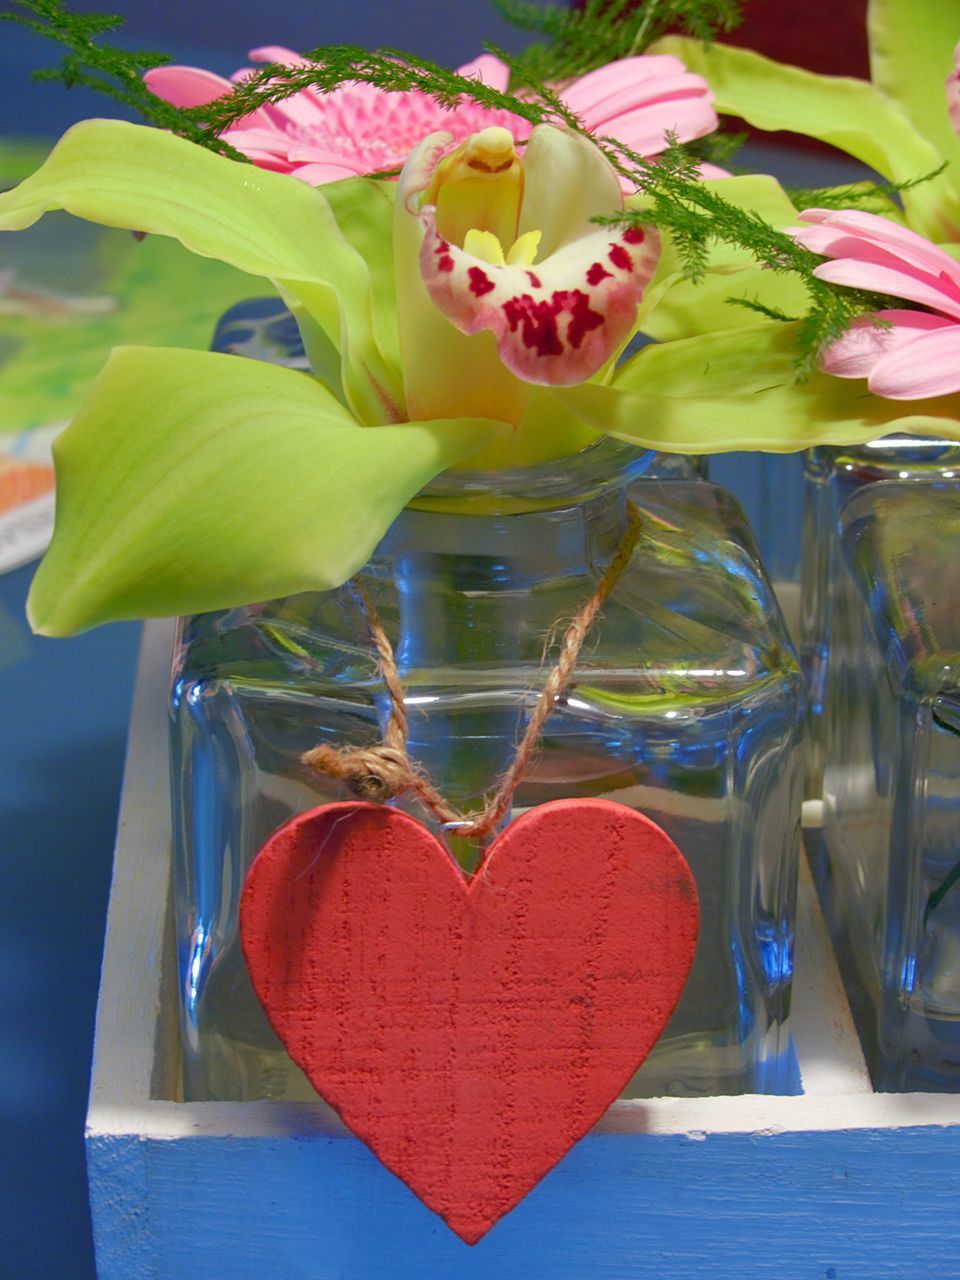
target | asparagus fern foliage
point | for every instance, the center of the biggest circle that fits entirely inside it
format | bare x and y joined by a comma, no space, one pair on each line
694,214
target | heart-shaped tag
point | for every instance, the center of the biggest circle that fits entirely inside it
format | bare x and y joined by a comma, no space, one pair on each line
470,1031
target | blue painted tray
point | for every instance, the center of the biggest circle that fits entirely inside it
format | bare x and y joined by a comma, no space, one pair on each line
837,1183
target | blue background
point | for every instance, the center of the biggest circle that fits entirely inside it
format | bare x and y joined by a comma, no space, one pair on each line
218,33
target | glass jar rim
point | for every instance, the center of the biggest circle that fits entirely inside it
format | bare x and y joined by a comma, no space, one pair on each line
574,475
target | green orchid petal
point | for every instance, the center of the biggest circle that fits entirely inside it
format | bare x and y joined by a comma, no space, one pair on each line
850,114
688,307
363,208
163,294
191,481
546,431
738,390
267,224
911,55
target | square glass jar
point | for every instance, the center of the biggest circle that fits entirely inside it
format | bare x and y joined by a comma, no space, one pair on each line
892,778
832,476
687,704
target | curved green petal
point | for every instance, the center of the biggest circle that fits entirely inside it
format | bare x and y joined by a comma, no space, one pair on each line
267,224
191,481
363,208
738,390
911,55
567,182
850,114
546,431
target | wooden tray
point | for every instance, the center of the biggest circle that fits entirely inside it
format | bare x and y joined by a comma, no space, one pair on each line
839,1183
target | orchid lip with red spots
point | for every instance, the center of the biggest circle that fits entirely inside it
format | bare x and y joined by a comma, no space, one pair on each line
558,320
555,326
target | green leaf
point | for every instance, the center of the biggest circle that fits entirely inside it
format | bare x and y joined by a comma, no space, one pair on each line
267,224
850,114
911,55
191,481
738,390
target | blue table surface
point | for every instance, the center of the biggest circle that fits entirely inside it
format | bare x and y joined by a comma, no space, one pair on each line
63,715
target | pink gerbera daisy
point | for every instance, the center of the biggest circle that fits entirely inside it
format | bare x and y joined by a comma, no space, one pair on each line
916,353
359,129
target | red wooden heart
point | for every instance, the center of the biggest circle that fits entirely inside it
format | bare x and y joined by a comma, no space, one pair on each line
469,1031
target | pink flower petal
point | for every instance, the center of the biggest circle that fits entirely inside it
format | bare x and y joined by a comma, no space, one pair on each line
648,94
186,86
557,322
912,248
626,73
328,171
488,70
847,247
277,53
264,147
710,172
301,111
879,277
613,99
644,130
928,366
192,87
858,352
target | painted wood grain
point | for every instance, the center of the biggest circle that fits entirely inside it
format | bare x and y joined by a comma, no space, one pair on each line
868,1205
837,1184
470,1031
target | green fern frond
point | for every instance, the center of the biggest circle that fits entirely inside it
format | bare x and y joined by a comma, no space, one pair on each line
695,215
876,197
577,40
333,65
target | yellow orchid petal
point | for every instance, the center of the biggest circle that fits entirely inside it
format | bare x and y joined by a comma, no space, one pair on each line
479,185
523,251
486,246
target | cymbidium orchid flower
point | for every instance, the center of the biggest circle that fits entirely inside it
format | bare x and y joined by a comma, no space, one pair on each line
914,353
502,249
901,123
360,129
445,317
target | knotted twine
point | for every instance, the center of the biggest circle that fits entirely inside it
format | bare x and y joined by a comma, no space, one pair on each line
385,770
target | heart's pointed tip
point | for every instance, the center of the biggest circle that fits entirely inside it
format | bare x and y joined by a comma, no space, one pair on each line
469,1230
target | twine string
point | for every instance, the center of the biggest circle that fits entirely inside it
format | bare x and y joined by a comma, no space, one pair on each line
385,770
